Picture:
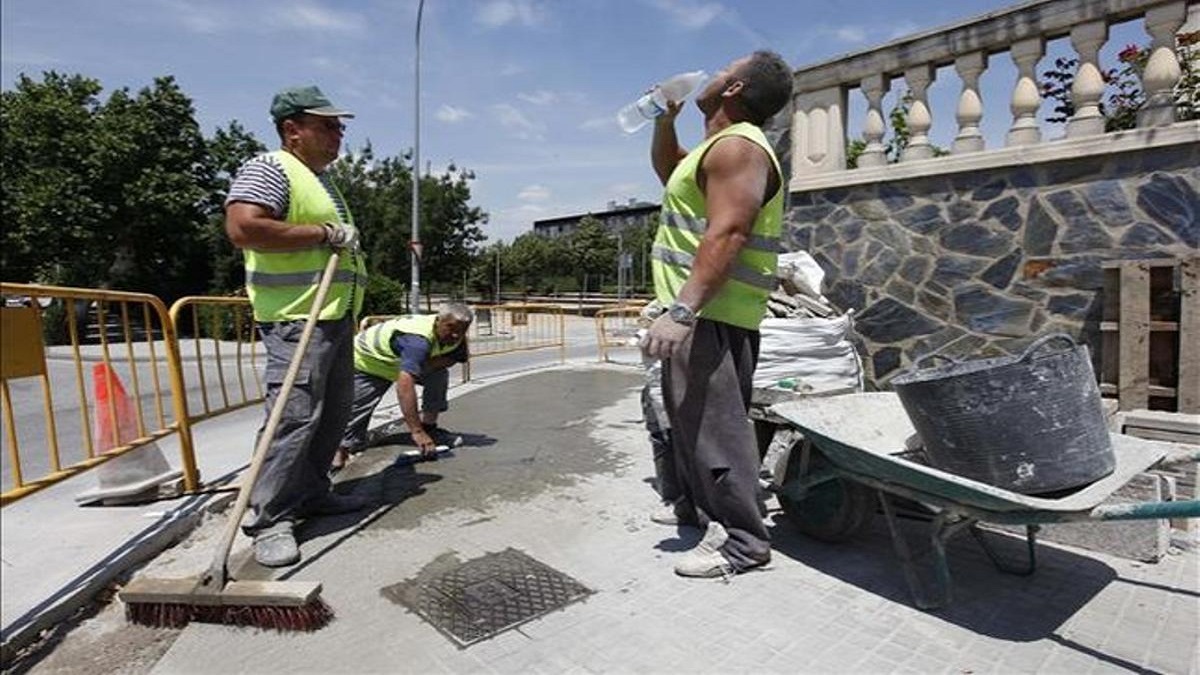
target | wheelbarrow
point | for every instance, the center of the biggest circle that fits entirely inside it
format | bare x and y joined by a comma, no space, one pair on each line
857,452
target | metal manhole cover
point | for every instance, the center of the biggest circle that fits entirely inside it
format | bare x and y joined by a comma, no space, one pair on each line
477,599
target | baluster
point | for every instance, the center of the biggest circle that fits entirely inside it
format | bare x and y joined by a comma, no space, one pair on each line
819,132
970,108
918,120
873,87
1025,98
1162,69
1087,38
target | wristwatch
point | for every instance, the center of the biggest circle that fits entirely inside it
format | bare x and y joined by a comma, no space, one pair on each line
681,314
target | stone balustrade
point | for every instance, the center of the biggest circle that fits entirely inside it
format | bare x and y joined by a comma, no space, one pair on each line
1019,33
978,252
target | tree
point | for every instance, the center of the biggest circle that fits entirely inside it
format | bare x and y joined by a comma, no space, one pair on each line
155,171
51,208
380,195
228,149
482,276
530,259
637,241
592,251
103,194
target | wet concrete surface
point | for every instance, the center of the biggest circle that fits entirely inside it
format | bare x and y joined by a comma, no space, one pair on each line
517,443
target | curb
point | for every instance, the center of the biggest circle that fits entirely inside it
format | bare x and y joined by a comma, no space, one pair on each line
27,630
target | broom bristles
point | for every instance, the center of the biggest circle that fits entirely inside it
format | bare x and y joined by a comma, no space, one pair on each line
307,617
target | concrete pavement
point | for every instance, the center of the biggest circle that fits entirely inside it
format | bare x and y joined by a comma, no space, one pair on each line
556,465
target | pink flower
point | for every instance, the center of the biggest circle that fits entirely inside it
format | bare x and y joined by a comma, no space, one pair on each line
1130,53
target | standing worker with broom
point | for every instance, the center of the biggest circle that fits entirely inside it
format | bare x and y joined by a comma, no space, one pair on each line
288,219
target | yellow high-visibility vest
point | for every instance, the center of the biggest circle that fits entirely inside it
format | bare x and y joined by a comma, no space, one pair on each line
742,300
373,352
283,284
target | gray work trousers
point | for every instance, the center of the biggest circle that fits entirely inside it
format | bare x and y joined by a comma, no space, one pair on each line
296,468
369,391
659,429
706,388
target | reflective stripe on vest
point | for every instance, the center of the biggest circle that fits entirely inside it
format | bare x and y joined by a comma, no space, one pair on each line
282,285
373,352
743,274
742,299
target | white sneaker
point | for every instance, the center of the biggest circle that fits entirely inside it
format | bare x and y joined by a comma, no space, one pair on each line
705,560
665,514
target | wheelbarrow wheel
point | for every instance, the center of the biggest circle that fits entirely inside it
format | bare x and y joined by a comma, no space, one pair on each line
833,511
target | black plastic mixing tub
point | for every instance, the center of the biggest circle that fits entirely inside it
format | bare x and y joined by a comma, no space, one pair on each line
1031,424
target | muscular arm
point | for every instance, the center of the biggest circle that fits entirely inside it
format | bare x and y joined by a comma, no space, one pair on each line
253,226
665,152
735,176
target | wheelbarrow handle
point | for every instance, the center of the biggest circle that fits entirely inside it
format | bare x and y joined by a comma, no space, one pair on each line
1179,457
1147,510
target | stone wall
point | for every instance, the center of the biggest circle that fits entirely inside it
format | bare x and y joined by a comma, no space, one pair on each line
979,263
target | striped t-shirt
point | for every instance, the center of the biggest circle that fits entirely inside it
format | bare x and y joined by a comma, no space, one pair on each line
262,181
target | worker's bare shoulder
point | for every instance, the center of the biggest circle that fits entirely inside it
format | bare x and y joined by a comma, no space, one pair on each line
734,154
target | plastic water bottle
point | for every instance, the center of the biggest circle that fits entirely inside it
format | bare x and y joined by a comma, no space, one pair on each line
654,103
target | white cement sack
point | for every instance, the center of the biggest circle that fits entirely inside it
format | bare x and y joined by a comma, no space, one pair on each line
812,351
804,272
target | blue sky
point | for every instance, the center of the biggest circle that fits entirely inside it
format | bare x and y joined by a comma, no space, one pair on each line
522,92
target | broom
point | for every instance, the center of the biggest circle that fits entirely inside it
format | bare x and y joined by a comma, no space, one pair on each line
215,597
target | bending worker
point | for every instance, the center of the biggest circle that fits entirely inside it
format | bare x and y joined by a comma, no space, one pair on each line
285,215
714,260
407,350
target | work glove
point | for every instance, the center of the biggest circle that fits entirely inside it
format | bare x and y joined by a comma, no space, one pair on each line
341,236
664,337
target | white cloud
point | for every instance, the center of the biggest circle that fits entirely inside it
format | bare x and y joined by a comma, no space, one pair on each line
499,13
197,18
534,193
511,69
688,14
604,123
305,16
540,97
325,63
851,34
513,119
312,16
450,114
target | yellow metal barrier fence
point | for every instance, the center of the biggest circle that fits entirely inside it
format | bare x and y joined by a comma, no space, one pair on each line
215,326
616,328
31,313
513,327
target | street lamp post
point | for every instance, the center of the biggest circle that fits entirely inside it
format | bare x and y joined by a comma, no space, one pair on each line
415,244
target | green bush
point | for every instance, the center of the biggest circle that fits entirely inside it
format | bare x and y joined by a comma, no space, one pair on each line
384,296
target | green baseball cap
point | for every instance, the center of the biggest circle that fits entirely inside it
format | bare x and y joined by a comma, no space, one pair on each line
296,100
